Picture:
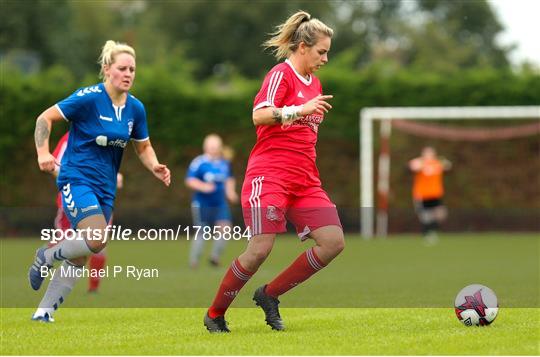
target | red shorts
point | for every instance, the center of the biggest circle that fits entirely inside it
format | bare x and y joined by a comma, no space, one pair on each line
268,203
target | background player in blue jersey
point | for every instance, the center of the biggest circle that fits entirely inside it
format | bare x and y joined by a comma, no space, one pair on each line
210,177
103,119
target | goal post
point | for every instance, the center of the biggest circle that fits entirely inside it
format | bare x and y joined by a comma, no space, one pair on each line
386,114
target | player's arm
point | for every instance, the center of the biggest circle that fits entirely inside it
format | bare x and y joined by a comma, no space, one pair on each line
230,190
415,165
288,114
197,185
148,157
446,164
119,181
42,133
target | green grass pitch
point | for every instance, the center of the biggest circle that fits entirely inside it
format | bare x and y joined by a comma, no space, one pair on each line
390,296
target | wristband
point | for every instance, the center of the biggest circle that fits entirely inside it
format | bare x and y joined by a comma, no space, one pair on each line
290,114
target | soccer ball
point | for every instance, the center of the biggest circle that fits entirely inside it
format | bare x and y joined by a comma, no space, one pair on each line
476,305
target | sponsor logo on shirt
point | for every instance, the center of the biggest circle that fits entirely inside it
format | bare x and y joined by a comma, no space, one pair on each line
300,95
119,143
102,140
312,121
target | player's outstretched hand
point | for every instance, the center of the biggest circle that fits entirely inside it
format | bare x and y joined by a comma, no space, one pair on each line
208,187
163,173
47,162
317,105
232,197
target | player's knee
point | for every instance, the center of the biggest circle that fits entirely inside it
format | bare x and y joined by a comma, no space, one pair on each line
81,261
95,239
426,216
341,245
252,260
260,254
259,248
441,214
96,246
93,230
338,244
333,244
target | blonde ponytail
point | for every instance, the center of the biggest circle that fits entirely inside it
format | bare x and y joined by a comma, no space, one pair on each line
300,27
109,52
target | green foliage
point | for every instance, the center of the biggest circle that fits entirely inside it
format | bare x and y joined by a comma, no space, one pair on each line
226,35
182,110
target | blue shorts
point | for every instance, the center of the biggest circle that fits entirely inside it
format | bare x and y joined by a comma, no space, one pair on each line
80,201
208,216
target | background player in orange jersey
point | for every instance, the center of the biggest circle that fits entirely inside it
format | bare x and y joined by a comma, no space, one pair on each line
428,191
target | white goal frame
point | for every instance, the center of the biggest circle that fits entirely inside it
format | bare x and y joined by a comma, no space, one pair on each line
369,115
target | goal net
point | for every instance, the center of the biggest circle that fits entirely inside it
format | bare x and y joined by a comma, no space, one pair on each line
419,122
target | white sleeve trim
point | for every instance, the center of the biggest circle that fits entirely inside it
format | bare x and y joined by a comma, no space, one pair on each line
262,104
141,139
61,112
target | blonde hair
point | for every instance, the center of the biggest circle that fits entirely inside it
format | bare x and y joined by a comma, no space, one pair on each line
212,138
109,52
300,27
228,153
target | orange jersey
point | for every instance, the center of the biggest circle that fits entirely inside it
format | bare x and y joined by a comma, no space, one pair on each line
428,182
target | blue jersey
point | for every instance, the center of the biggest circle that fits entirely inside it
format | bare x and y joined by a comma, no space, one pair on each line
99,132
207,170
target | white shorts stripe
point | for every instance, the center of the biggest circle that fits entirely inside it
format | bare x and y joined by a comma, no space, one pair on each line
255,203
253,209
258,204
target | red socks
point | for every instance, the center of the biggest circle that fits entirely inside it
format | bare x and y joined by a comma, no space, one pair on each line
235,278
97,261
300,270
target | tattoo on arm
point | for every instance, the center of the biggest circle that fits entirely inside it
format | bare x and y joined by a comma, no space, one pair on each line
276,115
42,131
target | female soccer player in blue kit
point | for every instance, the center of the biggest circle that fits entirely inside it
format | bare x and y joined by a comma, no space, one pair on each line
103,119
210,177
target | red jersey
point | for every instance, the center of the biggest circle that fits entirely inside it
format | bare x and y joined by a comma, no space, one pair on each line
287,152
58,153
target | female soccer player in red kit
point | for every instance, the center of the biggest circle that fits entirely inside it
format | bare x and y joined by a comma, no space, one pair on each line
282,181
